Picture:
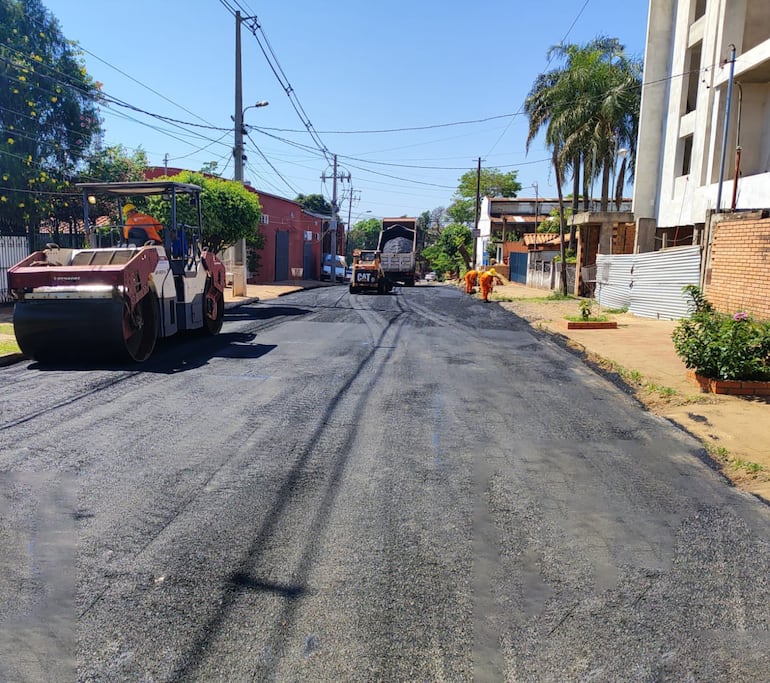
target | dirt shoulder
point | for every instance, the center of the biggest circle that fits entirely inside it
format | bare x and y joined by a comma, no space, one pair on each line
639,356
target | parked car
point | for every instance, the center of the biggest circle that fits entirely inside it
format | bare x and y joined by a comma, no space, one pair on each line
430,277
340,269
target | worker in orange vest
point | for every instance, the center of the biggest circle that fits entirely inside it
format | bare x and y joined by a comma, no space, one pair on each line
471,277
134,219
487,280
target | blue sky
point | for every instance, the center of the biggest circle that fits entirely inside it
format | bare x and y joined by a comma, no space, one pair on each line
352,66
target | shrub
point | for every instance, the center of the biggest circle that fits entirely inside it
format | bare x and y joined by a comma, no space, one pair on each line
720,346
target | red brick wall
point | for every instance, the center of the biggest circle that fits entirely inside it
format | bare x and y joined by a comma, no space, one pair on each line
739,278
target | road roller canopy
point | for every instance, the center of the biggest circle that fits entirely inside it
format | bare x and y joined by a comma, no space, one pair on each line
145,187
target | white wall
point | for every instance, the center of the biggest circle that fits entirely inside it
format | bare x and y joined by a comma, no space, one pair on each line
661,190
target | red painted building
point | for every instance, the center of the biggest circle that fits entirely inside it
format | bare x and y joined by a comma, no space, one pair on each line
292,236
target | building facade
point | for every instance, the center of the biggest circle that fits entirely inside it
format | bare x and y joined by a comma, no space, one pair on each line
687,159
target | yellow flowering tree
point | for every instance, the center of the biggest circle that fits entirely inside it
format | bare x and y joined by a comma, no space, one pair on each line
48,113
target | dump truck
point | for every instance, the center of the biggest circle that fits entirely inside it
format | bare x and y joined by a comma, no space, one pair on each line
398,250
368,275
114,302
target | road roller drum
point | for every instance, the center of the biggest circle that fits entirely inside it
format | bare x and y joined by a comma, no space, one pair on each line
112,303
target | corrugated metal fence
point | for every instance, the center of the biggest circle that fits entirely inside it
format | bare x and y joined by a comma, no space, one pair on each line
649,284
12,250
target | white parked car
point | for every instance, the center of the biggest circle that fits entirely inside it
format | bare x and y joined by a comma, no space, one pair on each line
340,269
430,277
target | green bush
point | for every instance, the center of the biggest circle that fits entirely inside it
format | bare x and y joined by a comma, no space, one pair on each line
720,346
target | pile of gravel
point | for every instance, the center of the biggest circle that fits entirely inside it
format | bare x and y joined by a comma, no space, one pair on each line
398,245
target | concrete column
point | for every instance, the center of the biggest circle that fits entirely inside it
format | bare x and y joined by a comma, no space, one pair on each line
644,240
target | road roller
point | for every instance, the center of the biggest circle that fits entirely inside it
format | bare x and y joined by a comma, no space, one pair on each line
112,302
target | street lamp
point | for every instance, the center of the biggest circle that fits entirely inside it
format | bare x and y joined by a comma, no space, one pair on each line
537,202
240,131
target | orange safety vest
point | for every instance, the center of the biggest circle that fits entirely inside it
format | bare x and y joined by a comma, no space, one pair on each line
147,223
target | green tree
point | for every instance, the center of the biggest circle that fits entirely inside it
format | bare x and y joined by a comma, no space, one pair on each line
48,113
114,165
230,211
462,211
107,165
551,224
315,203
588,108
210,167
363,235
492,183
446,255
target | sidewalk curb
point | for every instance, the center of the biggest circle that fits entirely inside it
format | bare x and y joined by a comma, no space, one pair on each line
241,302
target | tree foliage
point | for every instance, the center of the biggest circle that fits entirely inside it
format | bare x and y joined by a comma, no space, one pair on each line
462,211
106,165
445,256
48,114
230,211
551,224
589,109
492,183
315,203
363,235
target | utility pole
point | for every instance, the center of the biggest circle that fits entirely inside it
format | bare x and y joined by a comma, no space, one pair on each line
333,221
238,118
350,213
476,215
240,275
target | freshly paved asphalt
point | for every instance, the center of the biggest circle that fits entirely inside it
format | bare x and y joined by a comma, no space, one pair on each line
407,487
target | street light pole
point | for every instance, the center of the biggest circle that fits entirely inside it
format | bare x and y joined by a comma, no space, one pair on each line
238,148
239,248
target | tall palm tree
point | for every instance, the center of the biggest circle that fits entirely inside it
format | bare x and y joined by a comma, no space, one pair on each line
589,106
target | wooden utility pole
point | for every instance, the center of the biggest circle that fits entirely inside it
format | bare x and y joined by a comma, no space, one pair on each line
333,221
476,214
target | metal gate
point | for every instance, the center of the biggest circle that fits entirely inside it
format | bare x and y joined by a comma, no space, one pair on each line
13,249
308,263
517,267
281,256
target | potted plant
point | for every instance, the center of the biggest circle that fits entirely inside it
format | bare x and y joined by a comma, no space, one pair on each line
587,320
725,353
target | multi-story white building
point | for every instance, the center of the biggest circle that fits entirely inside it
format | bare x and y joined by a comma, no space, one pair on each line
681,169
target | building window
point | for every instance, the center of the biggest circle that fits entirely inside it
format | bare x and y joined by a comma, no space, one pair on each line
693,77
264,219
686,154
700,9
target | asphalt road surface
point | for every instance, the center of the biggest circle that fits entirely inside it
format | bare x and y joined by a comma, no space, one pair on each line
412,487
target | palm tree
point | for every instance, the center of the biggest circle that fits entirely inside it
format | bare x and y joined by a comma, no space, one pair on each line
589,108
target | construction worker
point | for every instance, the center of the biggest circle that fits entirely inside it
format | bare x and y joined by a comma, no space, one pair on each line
133,219
471,277
487,280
